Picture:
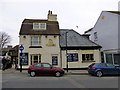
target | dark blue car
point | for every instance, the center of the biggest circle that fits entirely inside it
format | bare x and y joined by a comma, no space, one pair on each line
100,69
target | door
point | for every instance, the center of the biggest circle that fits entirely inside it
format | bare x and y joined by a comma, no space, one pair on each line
38,68
35,58
47,69
111,69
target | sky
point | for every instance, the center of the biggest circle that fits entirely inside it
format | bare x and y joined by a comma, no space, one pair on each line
70,13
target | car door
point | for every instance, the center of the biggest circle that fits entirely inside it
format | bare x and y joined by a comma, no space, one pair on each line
103,68
112,70
38,68
47,69
118,70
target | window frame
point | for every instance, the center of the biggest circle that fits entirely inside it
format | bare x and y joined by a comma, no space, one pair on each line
72,57
54,59
39,26
33,41
87,57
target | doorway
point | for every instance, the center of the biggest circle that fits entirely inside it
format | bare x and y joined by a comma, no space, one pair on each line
35,58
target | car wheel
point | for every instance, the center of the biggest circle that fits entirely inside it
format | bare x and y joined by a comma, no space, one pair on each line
57,74
99,73
32,74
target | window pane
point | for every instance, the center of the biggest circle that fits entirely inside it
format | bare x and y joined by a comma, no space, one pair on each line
37,65
54,60
91,57
35,41
72,57
35,59
35,38
102,65
46,65
117,59
87,57
36,26
109,58
69,57
42,25
75,57
110,65
83,57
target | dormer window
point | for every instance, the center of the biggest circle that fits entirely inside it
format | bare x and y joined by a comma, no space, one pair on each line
35,25
39,26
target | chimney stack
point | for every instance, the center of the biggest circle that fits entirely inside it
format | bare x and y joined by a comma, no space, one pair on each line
52,17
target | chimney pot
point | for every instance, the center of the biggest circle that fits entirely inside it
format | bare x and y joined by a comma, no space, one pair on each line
49,12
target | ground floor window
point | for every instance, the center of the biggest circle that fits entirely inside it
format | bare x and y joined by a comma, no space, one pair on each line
113,58
35,58
54,60
87,57
24,58
72,57
109,58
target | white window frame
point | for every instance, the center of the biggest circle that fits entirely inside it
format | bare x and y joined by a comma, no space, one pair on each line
39,26
38,41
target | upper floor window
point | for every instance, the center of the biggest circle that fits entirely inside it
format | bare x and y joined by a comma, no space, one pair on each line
41,26
35,40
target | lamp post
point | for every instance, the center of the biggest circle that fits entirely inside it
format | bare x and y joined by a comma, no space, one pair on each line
66,52
21,48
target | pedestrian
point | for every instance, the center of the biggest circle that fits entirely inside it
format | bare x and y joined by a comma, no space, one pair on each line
4,62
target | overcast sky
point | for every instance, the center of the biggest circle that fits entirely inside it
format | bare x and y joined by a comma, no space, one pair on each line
70,13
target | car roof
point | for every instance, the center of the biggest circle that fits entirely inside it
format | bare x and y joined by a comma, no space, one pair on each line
41,63
102,63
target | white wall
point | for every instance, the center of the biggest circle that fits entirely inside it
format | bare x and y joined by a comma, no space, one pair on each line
79,63
107,31
46,52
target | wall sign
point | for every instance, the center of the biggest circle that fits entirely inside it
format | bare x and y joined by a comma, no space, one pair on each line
54,60
24,58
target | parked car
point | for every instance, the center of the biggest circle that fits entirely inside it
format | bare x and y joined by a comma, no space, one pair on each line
44,69
100,69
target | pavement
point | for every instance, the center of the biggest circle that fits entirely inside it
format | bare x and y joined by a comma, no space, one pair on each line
70,72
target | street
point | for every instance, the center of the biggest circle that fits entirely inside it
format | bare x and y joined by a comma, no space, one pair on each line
15,79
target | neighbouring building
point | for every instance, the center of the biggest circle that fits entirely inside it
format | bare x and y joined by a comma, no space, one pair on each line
5,50
14,55
106,33
43,41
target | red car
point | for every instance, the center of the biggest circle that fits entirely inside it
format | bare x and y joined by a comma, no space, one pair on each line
44,69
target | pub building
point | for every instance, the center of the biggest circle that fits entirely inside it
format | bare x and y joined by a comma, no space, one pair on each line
44,41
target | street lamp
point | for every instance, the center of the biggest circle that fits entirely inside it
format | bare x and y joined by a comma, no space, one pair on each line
21,48
66,52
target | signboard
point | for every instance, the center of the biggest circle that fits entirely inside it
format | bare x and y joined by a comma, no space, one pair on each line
54,60
21,48
72,57
24,58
